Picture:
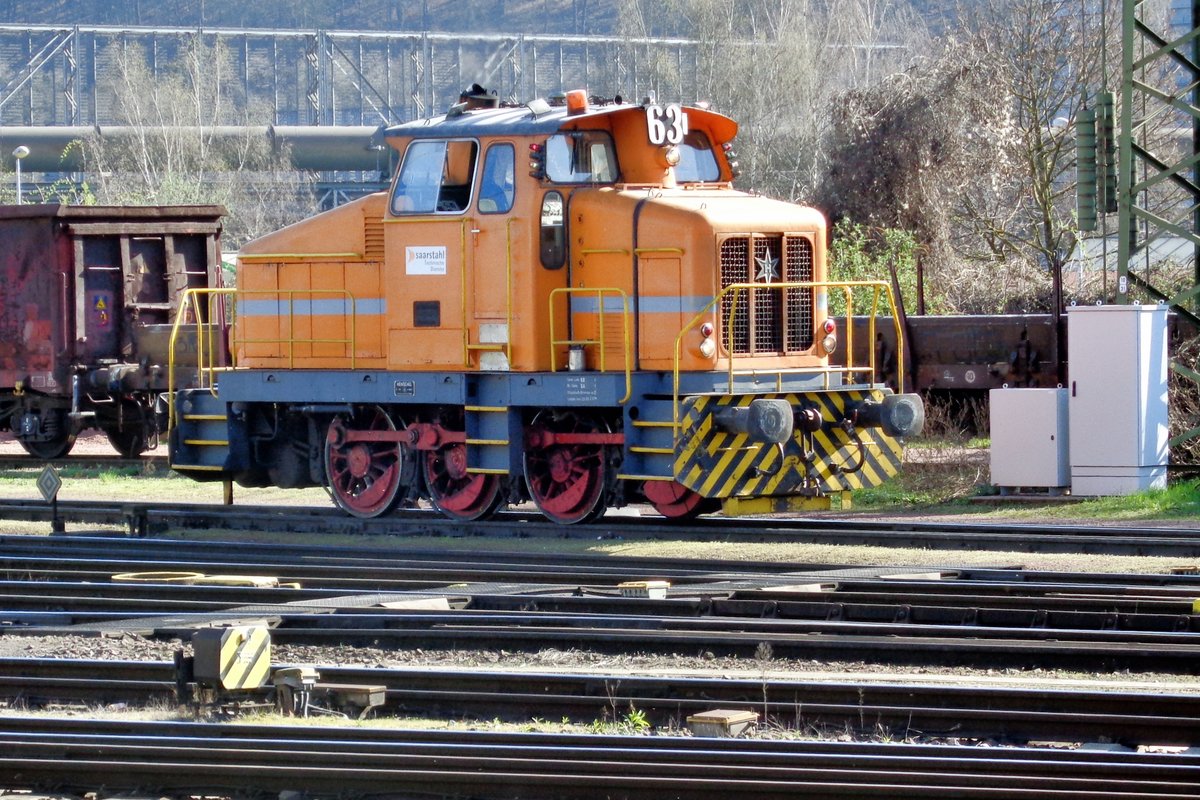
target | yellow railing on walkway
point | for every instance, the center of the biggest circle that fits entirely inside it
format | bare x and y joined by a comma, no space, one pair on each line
210,314
209,328
736,293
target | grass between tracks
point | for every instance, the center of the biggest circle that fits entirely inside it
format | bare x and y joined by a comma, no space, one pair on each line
952,481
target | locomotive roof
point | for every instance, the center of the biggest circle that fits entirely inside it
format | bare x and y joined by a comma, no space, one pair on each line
523,121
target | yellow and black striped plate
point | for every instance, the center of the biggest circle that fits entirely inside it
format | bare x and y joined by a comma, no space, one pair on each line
717,463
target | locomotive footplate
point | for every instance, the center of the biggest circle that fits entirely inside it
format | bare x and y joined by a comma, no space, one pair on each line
739,447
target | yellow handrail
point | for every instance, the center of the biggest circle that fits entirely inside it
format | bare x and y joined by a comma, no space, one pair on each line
298,256
205,342
734,293
626,326
207,331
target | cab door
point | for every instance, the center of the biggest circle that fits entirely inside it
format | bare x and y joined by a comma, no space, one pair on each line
492,255
428,241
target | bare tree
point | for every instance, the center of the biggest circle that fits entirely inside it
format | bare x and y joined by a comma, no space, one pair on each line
1051,56
975,150
903,152
187,141
776,66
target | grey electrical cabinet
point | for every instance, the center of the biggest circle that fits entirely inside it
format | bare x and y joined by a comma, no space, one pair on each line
1029,435
1118,405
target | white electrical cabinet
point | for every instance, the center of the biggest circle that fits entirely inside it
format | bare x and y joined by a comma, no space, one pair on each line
1030,437
1118,398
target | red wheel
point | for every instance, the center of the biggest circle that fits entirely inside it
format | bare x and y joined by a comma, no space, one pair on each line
456,493
365,478
566,481
675,501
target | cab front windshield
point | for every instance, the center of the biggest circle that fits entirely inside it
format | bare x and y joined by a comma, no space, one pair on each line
581,157
697,164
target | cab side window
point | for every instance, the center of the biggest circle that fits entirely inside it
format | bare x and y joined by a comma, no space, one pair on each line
496,184
552,243
435,178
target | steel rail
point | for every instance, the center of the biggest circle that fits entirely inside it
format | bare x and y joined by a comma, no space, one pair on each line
64,557
888,643
360,556
69,558
146,464
85,755
987,606
248,557
1096,606
397,575
892,603
140,518
874,708
892,643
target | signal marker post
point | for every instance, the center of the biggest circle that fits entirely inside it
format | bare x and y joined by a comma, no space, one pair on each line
48,484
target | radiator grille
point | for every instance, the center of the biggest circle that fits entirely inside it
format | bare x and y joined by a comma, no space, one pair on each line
767,321
799,301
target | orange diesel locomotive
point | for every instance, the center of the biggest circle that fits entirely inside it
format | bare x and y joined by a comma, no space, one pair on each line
567,303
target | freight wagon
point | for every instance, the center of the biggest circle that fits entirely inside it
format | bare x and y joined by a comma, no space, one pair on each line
87,295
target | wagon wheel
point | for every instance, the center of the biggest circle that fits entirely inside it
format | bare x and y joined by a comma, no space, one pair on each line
567,481
130,441
675,501
60,442
456,493
131,430
365,478
58,447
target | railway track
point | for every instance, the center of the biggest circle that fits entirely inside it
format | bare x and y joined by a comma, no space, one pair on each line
97,558
87,755
353,596
875,709
142,518
995,616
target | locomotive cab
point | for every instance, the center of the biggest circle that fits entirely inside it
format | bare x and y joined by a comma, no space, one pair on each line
568,304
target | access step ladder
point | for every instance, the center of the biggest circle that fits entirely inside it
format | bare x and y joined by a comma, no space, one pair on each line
199,438
650,440
491,432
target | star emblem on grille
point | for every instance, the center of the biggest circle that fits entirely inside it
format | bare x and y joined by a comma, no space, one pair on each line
766,268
